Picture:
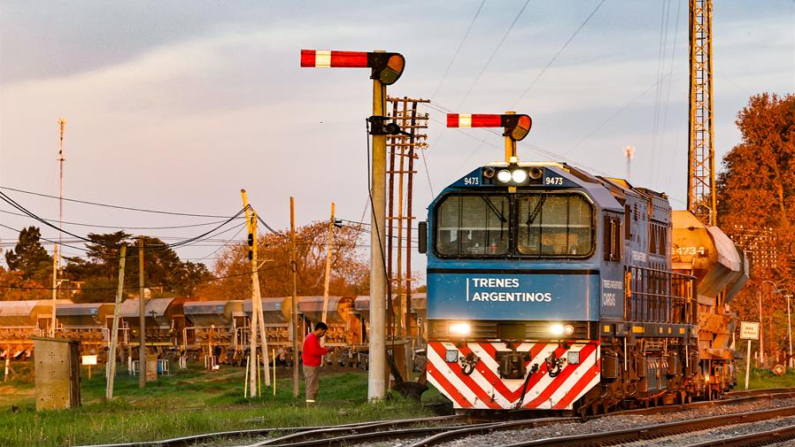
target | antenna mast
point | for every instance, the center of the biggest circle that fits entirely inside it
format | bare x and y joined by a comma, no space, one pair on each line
701,198
62,124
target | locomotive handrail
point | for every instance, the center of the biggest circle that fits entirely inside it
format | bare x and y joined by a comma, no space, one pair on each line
658,296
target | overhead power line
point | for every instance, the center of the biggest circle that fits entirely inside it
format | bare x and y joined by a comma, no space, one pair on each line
555,57
142,210
493,53
460,45
45,239
4,197
120,227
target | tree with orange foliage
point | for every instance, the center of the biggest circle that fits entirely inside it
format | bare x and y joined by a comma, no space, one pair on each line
14,287
756,196
349,272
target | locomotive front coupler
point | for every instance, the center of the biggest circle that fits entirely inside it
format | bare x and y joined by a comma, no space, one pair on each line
512,364
468,363
554,364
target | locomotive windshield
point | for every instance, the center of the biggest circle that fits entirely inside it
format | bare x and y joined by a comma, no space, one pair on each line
541,224
473,225
554,225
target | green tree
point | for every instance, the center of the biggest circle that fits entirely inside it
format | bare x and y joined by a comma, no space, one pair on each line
29,257
165,274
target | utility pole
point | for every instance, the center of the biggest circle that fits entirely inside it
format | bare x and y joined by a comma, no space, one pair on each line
257,317
142,317
376,379
294,305
329,241
54,288
114,336
403,146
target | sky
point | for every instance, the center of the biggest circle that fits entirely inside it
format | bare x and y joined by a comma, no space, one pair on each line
175,106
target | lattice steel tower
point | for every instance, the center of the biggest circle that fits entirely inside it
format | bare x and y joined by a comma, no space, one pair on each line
701,197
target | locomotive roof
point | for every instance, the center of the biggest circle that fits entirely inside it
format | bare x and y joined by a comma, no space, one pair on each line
610,193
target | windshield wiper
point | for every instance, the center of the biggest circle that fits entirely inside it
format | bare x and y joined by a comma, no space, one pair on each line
537,210
494,209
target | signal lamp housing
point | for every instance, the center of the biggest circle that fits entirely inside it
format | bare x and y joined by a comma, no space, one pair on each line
536,173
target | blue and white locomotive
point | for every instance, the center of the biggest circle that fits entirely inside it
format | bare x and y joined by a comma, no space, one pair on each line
553,289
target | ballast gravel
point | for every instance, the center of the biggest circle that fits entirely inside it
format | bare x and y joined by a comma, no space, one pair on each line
618,422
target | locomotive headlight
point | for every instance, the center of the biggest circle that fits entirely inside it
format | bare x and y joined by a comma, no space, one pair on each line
568,329
460,329
573,357
556,329
504,176
519,176
450,356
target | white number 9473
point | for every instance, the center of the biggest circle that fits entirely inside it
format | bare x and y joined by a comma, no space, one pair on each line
553,181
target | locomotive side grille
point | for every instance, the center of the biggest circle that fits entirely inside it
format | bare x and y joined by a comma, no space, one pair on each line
513,330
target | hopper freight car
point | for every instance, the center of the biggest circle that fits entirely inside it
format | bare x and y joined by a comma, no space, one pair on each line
212,323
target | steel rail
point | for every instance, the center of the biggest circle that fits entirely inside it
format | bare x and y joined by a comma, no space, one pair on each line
372,436
739,393
790,392
648,432
324,435
514,425
780,434
184,441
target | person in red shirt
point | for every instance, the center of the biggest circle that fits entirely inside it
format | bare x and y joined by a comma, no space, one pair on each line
312,356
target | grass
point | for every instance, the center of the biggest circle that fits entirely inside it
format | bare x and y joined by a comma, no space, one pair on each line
764,378
194,401
187,402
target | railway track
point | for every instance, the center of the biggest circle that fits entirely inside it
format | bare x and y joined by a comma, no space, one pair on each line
650,432
187,441
780,434
435,435
433,431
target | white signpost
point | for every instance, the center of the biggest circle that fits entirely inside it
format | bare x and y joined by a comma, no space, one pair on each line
748,331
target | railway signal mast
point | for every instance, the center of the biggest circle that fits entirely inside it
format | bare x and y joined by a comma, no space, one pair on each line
516,127
386,69
701,197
